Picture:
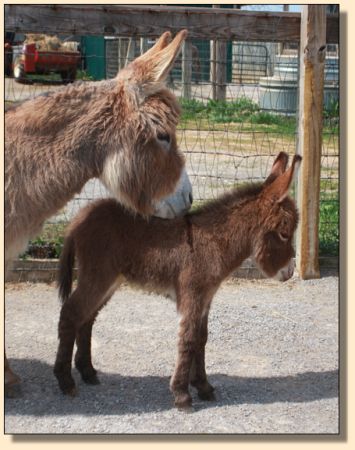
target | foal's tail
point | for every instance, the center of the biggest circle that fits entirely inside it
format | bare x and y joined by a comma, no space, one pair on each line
66,265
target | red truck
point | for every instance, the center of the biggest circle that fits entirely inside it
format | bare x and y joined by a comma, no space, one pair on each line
27,59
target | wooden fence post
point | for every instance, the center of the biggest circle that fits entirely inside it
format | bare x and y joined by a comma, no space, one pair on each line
309,145
218,70
186,69
221,70
213,68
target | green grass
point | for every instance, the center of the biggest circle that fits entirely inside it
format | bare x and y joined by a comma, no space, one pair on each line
83,75
245,111
50,77
329,227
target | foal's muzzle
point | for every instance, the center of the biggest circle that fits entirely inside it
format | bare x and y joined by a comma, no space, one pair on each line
286,272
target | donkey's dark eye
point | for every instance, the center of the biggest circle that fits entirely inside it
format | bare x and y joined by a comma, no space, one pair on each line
163,137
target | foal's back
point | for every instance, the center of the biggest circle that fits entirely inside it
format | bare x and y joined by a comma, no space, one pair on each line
144,251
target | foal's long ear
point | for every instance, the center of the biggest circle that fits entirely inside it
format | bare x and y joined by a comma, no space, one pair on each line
278,168
149,71
278,189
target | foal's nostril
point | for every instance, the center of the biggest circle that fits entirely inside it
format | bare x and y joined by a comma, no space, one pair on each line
191,198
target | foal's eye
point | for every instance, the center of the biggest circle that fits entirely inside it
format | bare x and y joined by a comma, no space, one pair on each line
164,137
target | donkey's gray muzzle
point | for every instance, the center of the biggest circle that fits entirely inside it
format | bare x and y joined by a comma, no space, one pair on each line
179,202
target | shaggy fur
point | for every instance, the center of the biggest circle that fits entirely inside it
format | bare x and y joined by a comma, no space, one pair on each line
121,131
186,258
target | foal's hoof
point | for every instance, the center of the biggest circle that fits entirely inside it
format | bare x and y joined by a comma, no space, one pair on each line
184,403
70,391
186,409
87,372
90,378
68,387
209,396
205,391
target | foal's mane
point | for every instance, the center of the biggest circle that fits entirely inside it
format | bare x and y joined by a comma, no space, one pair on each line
230,200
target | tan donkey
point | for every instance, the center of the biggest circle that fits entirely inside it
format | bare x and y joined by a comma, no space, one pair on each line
122,131
186,258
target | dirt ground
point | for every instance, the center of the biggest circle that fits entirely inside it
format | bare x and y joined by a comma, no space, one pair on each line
272,356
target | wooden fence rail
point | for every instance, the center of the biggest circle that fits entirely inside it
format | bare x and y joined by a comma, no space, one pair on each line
123,20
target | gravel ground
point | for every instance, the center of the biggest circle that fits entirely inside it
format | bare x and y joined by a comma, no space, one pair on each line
272,355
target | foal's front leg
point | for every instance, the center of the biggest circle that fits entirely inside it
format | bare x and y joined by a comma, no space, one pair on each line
198,377
187,347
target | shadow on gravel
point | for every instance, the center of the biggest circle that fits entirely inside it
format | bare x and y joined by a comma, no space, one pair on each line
133,394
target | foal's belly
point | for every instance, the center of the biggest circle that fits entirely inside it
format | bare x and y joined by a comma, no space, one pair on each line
165,291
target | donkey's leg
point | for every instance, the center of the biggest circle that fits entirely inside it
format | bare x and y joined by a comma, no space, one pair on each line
198,377
83,355
12,381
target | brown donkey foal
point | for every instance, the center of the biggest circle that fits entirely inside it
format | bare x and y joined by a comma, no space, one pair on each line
186,258
122,131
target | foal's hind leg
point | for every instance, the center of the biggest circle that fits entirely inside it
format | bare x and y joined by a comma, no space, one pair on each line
67,331
198,377
76,320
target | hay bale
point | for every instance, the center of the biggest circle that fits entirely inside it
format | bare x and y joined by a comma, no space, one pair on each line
50,43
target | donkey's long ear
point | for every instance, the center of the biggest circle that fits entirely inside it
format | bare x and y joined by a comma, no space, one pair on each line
161,43
278,189
278,168
149,71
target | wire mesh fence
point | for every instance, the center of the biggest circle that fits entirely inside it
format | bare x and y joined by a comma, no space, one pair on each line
230,138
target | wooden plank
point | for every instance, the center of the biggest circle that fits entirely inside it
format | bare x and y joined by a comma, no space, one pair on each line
126,20
309,146
186,66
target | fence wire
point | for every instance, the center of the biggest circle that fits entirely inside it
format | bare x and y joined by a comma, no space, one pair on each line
228,140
